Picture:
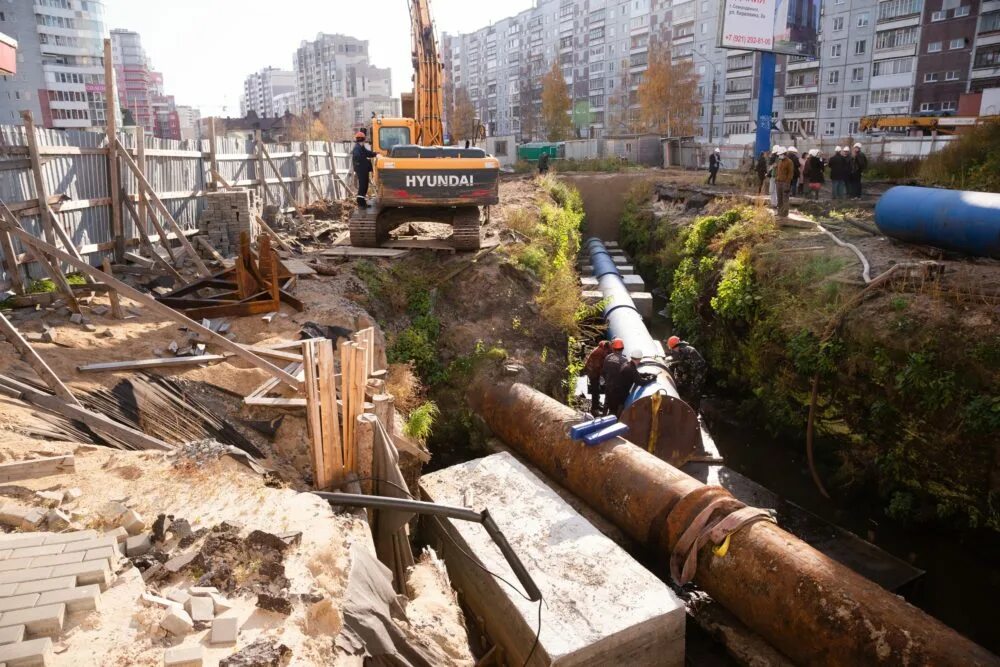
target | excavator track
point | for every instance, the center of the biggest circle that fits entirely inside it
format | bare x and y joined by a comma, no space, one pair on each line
366,230
465,228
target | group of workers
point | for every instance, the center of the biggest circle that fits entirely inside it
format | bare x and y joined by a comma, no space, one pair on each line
611,373
789,174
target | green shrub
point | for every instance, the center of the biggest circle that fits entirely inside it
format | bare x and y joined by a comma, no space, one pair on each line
736,298
971,162
420,422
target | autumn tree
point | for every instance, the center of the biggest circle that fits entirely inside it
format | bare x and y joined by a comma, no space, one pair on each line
667,96
462,118
335,116
617,114
306,127
556,104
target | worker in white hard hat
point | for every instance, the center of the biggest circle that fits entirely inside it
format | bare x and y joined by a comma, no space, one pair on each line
840,170
812,173
859,163
714,164
776,151
792,153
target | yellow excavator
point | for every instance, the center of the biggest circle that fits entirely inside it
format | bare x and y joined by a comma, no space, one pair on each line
416,177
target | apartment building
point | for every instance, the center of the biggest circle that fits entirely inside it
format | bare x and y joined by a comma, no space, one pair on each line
870,60
140,87
337,67
189,121
60,62
266,92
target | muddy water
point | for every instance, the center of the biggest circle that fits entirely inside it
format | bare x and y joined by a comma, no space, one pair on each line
961,586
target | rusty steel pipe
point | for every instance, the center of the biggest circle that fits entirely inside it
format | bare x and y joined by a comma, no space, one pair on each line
814,610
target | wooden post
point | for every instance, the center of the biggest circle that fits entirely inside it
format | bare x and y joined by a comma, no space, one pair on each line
144,184
333,173
304,165
36,171
346,400
116,304
333,460
357,396
111,118
151,303
140,160
145,241
10,263
385,410
213,159
314,414
365,425
261,176
36,362
281,182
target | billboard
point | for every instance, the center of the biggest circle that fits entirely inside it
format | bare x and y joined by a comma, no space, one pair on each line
782,26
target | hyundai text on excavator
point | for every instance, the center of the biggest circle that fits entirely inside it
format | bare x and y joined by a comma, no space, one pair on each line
416,177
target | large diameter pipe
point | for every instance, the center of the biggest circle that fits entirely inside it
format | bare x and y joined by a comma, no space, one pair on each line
624,320
959,220
814,610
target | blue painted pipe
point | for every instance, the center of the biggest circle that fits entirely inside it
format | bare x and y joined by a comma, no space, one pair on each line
959,220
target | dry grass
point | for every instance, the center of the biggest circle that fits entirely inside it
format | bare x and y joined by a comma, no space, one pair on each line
521,220
403,384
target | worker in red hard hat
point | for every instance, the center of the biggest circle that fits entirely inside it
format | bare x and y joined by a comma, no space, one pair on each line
688,368
592,369
616,378
361,160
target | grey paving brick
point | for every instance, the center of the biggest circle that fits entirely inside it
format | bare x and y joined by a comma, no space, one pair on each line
87,545
184,656
58,559
9,635
15,564
33,653
42,585
16,602
6,590
201,609
77,536
225,629
109,553
87,572
43,550
4,553
17,576
19,540
44,621
84,598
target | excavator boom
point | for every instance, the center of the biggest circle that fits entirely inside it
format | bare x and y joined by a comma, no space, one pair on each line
427,73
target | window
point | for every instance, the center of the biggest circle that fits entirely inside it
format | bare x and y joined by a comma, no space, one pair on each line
892,66
927,106
990,22
894,39
948,106
890,95
961,11
893,9
930,77
957,43
933,47
838,24
393,136
863,19
854,101
857,75
830,128
951,75
860,47
835,50
834,77
937,16
831,103
500,148
852,127
987,57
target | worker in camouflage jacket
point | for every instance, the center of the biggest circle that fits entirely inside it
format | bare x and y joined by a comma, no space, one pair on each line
688,369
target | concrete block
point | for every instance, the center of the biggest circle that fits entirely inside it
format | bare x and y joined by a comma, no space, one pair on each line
50,498
87,572
138,545
179,596
177,622
111,511
133,522
57,520
33,518
32,653
222,605
202,590
69,495
151,600
120,534
225,630
184,656
83,598
17,541
45,621
18,576
201,609
87,545
110,553
9,635
603,606
16,602
43,550
58,559
42,585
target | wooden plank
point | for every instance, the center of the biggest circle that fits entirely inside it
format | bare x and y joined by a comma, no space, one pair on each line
94,420
210,249
274,236
314,415
114,177
157,259
153,305
281,180
20,163
304,174
164,362
298,268
35,361
116,304
357,401
332,448
420,244
53,465
213,158
13,225
365,446
259,161
219,178
36,172
70,205
140,160
141,178
346,400
277,402
171,152
275,354
351,251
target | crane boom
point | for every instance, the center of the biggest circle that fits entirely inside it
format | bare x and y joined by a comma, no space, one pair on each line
427,72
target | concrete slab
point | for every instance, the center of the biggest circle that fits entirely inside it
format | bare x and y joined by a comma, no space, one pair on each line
624,269
632,283
643,301
601,606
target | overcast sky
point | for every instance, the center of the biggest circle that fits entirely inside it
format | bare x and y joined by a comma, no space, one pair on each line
206,48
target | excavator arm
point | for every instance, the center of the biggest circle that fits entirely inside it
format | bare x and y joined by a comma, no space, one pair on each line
427,73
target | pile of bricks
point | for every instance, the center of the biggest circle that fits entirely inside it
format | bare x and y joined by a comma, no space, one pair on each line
42,577
186,610
226,215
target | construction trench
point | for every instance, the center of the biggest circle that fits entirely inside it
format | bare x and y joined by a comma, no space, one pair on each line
545,550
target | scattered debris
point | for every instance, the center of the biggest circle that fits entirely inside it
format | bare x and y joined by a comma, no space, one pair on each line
262,653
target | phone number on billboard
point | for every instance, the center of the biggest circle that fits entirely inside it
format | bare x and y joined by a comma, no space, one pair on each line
747,39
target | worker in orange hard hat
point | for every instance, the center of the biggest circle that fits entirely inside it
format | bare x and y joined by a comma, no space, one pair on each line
361,160
613,375
592,369
688,368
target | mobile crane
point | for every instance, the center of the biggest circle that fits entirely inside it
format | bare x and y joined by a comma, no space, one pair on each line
416,177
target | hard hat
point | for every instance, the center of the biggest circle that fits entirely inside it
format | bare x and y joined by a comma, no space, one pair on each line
837,149
717,150
636,354
792,149
617,344
673,342
857,145
359,135
814,151
777,148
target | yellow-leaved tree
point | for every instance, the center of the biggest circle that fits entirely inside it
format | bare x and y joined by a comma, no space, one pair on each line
555,105
668,96
462,119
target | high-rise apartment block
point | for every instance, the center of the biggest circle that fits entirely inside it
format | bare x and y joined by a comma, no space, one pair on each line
60,62
189,121
269,93
140,88
875,57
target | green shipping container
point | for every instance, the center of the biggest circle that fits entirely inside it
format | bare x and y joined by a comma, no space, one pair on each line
531,152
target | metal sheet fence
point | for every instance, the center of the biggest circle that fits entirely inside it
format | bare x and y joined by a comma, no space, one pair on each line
74,168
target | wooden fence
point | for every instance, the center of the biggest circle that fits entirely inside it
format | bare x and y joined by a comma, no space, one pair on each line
69,173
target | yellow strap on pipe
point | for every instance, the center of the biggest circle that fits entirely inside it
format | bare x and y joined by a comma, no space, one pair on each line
654,422
723,548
